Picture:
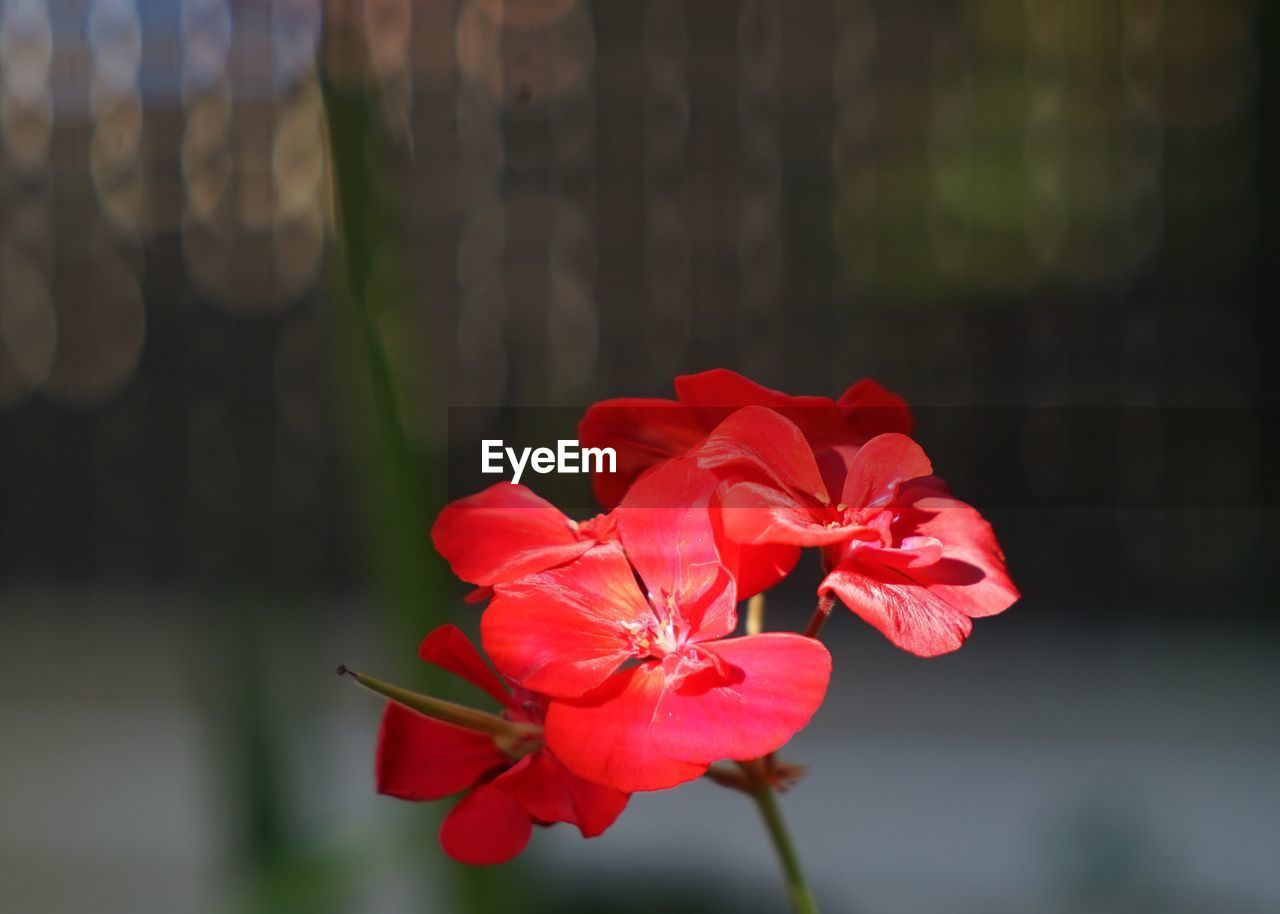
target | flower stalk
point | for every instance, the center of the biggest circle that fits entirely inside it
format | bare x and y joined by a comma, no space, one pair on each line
766,800
821,613
514,738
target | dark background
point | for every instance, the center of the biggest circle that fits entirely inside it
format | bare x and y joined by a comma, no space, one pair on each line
1049,224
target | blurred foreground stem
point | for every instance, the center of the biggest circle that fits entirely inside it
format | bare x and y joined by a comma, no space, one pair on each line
755,614
400,485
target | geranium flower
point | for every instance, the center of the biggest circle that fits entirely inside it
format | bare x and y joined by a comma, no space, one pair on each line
646,431
508,788
898,549
630,641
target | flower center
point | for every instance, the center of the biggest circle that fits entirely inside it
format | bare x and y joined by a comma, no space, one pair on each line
866,527
664,633
656,637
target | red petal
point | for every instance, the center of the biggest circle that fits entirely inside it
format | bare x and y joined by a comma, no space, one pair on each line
552,793
912,552
564,631
608,736
882,465
719,393
668,534
487,826
903,610
870,409
762,513
757,440
448,648
721,390
423,759
754,568
504,533
720,387
864,410
776,683
636,733
642,432
968,543
681,483
834,462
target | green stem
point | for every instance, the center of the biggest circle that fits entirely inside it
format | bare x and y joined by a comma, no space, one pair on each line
802,900
505,732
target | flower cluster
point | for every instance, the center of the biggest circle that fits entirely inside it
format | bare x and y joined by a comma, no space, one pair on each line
614,639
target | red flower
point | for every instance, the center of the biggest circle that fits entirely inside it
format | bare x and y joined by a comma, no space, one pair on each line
662,602
644,431
420,758
899,550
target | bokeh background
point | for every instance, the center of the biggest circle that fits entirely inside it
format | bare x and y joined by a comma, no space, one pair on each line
225,392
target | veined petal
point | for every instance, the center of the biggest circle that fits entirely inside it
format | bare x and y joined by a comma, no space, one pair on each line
642,433
448,648
504,533
971,574
668,534
775,683
905,611
756,513
608,735
487,826
423,759
552,793
564,631
639,732
758,441
878,469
